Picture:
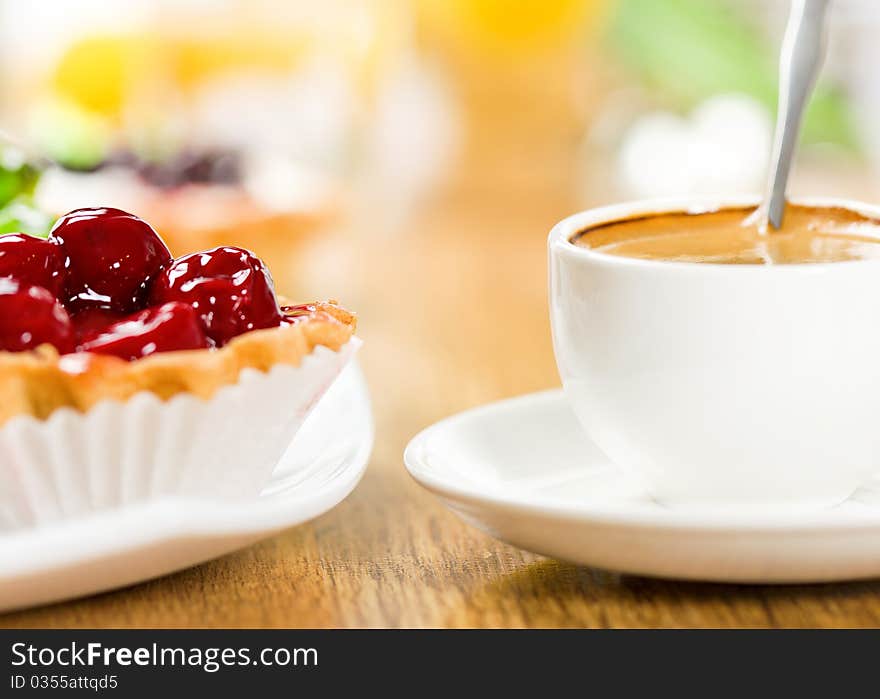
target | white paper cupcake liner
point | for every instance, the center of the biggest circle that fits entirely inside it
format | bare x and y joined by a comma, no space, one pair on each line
144,448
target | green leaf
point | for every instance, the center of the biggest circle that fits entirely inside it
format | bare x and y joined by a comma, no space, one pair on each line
22,216
15,182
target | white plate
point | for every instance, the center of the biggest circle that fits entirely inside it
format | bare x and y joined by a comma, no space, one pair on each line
121,547
524,471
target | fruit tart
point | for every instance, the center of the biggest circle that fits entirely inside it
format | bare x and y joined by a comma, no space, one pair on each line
127,375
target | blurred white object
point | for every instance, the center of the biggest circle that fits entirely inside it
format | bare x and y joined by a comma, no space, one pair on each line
721,148
280,184
414,140
308,115
60,190
857,23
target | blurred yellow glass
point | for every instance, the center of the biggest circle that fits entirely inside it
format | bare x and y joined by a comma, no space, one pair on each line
97,72
100,73
510,27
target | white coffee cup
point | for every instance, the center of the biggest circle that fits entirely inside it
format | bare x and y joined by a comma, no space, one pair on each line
721,385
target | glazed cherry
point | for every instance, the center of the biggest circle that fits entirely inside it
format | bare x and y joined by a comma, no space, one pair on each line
172,326
111,259
90,321
32,262
31,316
229,287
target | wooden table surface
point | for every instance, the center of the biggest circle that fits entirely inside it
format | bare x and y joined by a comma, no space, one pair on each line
453,314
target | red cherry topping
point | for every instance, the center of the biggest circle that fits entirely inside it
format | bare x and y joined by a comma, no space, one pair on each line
104,265
172,326
92,321
32,261
229,287
31,316
111,258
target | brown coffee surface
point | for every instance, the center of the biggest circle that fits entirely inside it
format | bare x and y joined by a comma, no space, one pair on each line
728,237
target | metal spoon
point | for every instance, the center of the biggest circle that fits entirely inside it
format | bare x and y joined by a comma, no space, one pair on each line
803,49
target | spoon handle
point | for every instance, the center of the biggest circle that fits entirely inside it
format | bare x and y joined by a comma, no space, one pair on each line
803,49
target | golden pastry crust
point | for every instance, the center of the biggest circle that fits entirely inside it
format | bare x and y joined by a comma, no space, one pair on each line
38,383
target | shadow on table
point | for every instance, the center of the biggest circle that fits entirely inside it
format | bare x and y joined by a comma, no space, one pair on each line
550,593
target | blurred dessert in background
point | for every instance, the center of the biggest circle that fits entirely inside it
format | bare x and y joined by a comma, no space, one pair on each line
271,123
244,123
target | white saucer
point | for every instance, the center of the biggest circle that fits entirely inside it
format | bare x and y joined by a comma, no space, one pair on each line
121,547
524,471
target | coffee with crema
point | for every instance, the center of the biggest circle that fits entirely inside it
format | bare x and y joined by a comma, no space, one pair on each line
809,235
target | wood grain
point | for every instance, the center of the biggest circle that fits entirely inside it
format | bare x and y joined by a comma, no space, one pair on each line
453,314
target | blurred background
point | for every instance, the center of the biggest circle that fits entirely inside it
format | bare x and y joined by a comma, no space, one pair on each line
409,156
207,113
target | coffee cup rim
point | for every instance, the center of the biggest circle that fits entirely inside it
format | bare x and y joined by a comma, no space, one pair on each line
562,233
